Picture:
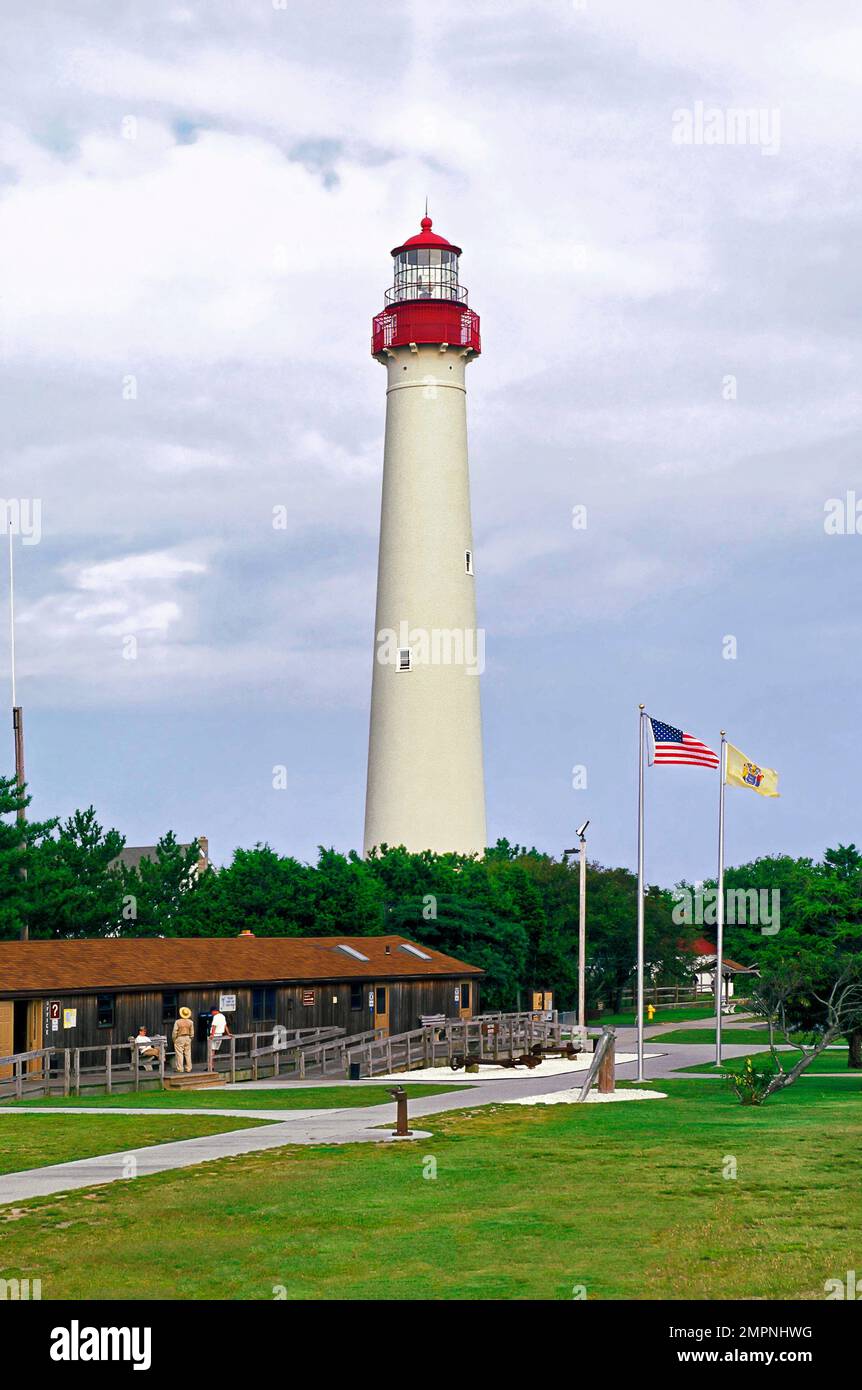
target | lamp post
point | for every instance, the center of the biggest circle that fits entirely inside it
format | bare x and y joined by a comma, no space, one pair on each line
582,925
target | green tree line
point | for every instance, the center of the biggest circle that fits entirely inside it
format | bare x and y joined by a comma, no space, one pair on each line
514,912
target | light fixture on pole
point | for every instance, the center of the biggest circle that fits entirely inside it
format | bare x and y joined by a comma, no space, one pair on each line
582,925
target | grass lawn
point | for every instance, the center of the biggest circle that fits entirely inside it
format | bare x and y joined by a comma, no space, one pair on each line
676,1013
279,1098
32,1141
629,1200
826,1062
693,1036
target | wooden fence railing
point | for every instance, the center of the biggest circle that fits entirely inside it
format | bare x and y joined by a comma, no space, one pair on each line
667,994
31,1078
277,1048
288,1053
68,1069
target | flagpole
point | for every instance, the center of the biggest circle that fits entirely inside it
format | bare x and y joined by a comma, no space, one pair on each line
640,1075
719,907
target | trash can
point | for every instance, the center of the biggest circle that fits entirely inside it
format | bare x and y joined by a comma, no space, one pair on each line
353,1071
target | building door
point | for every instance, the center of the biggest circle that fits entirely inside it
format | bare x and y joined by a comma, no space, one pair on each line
381,1007
35,1031
7,1034
465,1000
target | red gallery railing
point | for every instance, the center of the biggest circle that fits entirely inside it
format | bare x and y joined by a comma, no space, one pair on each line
425,321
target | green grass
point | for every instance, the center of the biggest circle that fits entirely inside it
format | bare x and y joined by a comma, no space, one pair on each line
32,1141
677,1013
696,1036
825,1062
281,1098
629,1200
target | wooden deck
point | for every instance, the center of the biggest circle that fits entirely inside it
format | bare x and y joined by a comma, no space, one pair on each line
300,1054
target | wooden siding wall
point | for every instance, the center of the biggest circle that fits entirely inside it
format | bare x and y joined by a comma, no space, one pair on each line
408,1000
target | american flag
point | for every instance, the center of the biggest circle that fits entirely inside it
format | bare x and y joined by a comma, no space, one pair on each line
670,745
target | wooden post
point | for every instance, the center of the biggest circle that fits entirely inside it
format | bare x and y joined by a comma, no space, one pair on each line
67,1069
162,1050
76,1072
137,1051
607,1070
108,1077
19,1078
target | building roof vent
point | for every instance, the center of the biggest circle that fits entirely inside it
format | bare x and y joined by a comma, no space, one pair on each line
246,933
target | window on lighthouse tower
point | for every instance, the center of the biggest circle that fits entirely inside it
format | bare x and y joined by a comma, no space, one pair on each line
426,272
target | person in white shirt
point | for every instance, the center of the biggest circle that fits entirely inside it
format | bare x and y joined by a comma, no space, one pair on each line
144,1044
218,1028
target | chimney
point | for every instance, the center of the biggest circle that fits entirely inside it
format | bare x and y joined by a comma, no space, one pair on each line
387,949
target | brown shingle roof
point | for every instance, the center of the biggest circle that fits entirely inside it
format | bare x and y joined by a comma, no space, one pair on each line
144,962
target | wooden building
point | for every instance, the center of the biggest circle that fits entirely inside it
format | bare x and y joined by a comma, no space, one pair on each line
85,993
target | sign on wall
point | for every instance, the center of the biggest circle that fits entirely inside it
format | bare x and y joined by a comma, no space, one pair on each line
70,1018
308,996
227,1003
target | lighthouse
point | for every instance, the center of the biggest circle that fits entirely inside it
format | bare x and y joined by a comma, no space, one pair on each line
426,786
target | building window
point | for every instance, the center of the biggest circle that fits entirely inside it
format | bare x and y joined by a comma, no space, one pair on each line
104,1010
403,659
465,996
170,1006
263,1004
355,997
468,561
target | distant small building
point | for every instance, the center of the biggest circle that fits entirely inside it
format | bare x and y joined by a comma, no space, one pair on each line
132,856
101,991
704,964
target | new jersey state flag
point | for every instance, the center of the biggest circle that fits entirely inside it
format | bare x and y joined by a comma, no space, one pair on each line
742,772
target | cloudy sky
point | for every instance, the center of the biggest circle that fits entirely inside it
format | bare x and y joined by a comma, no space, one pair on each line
197,203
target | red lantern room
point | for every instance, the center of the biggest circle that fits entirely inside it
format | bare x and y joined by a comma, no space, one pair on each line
426,304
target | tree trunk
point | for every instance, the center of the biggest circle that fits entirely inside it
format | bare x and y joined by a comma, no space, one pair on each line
787,1078
854,1058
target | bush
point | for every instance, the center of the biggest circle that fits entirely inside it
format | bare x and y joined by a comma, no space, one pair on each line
750,1084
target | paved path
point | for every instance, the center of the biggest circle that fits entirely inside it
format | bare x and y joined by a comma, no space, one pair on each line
361,1124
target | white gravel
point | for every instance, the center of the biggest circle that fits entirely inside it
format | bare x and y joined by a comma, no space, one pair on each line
571,1097
551,1066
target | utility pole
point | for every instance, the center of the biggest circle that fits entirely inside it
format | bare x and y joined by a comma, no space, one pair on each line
17,717
582,925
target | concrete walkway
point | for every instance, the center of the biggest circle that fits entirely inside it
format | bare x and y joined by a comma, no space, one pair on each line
361,1124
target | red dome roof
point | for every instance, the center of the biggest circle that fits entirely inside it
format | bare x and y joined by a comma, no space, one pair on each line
426,238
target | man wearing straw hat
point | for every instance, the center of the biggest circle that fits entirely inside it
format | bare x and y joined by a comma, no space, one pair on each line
182,1039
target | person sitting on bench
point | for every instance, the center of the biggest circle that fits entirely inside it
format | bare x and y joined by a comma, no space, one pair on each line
144,1044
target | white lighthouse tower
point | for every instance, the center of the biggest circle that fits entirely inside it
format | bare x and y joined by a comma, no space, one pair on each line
425,777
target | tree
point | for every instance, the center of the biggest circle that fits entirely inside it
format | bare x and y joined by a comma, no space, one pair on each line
784,991
18,843
809,967
73,891
157,892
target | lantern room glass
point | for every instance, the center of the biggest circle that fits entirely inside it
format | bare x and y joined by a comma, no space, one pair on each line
426,272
